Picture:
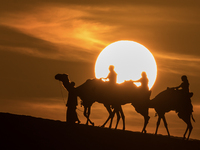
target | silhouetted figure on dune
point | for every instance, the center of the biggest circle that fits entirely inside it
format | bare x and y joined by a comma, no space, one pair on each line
144,97
184,85
144,82
167,101
71,115
71,105
183,89
87,104
112,76
144,88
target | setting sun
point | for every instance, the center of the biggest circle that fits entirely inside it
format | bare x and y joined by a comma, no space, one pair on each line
130,60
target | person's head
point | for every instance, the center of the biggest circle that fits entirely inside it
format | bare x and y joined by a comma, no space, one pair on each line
184,78
143,74
111,68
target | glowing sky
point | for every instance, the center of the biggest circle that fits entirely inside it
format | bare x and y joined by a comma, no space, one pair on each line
39,38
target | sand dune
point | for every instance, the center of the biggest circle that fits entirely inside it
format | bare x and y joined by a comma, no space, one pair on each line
26,132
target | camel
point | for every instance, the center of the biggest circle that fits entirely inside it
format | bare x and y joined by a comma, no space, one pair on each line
96,90
176,100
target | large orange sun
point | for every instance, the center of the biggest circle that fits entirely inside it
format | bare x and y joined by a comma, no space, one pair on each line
130,60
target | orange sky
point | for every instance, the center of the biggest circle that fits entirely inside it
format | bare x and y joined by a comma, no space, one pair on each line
41,38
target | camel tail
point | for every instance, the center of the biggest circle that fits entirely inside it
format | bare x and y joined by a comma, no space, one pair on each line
192,118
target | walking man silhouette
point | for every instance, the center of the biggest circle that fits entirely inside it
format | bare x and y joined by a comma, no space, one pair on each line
71,116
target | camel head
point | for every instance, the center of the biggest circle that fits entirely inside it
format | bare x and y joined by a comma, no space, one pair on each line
62,77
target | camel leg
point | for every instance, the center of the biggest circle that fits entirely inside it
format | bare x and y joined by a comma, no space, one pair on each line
145,113
119,110
111,119
111,114
87,114
165,123
190,130
158,123
185,132
123,116
189,127
146,121
187,120
118,118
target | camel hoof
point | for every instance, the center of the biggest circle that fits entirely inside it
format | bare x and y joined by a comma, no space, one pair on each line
102,126
144,131
92,124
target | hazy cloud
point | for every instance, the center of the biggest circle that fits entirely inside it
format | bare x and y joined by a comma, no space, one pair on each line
14,38
41,38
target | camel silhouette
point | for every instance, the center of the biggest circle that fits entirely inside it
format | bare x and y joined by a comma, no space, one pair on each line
96,90
176,100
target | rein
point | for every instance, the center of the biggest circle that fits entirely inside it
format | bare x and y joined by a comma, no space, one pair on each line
63,96
62,92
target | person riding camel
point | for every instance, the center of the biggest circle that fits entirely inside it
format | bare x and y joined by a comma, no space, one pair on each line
184,85
144,82
112,76
144,92
184,89
144,88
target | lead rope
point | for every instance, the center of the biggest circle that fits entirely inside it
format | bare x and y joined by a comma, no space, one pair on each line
64,98
62,92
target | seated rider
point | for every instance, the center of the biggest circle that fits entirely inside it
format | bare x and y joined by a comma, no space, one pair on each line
144,81
144,85
112,76
184,86
185,91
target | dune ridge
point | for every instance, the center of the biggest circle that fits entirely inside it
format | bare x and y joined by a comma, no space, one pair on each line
26,132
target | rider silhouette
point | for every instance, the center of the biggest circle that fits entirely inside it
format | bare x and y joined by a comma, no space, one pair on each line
184,89
184,85
112,76
71,116
144,82
144,92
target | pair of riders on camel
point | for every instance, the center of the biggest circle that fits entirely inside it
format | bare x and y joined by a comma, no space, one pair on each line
112,76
